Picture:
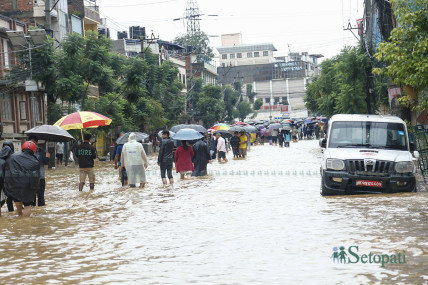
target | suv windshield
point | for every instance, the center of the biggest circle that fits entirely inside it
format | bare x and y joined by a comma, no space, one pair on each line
368,135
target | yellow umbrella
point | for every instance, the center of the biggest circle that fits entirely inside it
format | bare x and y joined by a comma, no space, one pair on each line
83,120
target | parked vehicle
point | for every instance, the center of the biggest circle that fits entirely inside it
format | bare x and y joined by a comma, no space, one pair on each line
367,154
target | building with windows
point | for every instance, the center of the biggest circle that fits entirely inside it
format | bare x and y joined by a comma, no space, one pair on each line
250,54
280,82
32,13
22,106
84,16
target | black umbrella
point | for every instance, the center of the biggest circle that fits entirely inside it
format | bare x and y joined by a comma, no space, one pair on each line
139,137
197,128
187,135
251,129
237,129
275,126
50,133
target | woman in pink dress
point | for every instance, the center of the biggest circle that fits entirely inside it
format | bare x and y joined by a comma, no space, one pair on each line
183,159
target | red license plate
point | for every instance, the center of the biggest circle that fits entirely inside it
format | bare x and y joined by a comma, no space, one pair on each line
369,183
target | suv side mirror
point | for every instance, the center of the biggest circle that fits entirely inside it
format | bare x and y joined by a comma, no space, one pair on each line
412,147
323,143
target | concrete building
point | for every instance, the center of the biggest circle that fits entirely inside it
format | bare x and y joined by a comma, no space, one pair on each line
246,54
32,13
22,106
85,16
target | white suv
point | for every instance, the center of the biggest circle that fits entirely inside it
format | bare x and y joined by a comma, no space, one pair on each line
367,154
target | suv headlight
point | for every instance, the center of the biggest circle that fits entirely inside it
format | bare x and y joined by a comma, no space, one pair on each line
404,166
335,164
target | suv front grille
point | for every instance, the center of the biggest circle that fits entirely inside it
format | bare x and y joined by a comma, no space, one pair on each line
381,168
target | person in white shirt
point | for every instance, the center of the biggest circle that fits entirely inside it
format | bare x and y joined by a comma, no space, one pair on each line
221,148
60,152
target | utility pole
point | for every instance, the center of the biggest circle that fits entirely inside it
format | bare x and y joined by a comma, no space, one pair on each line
48,15
366,37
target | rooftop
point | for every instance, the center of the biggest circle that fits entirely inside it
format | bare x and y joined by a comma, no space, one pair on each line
247,48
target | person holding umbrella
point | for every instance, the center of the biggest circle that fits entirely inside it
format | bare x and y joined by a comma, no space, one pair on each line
234,143
134,160
201,158
243,144
43,158
166,157
183,159
221,148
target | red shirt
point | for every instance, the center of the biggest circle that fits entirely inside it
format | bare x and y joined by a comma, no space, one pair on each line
183,159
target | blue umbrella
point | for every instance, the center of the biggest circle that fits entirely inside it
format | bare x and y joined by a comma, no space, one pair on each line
187,135
308,122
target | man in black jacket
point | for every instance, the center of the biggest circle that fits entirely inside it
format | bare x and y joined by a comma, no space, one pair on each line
22,178
200,158
86,153
166,157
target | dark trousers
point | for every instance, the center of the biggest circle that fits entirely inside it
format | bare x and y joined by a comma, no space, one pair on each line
166,169
40,195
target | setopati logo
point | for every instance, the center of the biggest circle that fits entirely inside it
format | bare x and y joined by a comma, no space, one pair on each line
352,255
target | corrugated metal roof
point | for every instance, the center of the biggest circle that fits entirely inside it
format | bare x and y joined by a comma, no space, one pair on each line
247,48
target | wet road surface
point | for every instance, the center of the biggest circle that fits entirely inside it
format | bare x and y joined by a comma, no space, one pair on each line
258,221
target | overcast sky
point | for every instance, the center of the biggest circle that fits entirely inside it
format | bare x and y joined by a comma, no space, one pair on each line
315,26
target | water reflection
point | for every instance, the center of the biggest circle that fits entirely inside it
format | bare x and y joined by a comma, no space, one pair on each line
232,229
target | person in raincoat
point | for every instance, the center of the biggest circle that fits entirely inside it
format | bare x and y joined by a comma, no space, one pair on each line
22,178
200,158
135,161
5,152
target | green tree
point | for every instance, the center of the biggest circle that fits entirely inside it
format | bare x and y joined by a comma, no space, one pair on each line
405,52
257,104
244,109
210,105
250,93
199,41
230,98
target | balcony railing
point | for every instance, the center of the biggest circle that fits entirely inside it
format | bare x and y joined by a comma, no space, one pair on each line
91,12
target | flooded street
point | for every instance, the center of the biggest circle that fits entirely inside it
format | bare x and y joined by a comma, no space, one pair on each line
266,224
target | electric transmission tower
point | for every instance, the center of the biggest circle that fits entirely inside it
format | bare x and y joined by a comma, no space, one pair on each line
192,17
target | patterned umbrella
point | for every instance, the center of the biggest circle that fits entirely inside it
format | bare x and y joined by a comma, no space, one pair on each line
83,120
221,126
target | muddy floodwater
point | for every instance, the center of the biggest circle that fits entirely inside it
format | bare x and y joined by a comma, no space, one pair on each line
258,221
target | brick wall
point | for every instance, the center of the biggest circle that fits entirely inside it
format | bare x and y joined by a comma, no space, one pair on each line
24,5
5,5
21,5
76,7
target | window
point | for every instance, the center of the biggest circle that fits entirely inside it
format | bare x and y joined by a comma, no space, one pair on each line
239,55
4,53
265,53
6,107
23,110
256,54
249,54
284,100
224,56
276,100
232,56
267,100
368,134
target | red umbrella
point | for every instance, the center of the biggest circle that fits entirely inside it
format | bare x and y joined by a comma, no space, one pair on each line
239,124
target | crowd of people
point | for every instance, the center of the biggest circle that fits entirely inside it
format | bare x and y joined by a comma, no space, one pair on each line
22,175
